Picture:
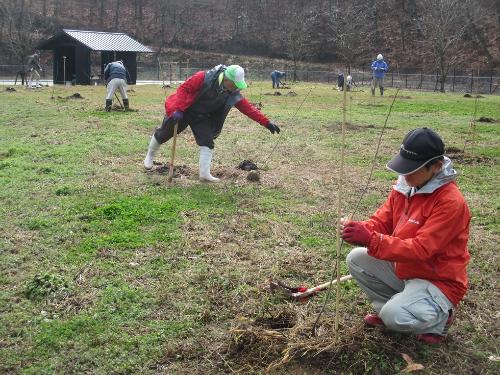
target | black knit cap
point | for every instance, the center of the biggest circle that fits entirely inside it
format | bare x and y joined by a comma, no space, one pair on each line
419,147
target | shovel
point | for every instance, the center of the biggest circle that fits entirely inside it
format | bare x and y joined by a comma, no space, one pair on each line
302,292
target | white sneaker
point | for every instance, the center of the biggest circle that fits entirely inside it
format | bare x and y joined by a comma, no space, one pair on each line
206,155
153,147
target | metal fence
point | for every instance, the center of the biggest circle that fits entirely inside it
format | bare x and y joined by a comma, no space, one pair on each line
454,82
174,72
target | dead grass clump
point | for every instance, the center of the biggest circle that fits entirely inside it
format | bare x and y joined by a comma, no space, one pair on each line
279,340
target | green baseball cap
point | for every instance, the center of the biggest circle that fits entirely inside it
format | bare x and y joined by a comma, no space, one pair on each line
236,74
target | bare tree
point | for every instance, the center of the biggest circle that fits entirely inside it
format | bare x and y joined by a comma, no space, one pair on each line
295,34
443,24
20,36
349,30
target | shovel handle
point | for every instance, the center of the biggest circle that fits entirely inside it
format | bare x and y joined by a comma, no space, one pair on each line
171,171
316,289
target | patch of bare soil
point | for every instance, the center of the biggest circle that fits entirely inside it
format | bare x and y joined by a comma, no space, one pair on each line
473,96
258,105
337,126
291,93
10,89
488,119
180,171
457,155
400,96
225,173
76,95
370,105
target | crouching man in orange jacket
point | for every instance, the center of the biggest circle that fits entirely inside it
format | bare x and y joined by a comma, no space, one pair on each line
412,265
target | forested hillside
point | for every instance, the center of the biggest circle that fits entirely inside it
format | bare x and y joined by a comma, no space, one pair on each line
424,34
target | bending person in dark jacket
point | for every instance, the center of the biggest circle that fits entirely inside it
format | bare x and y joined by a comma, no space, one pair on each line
115,75
276,76
203,102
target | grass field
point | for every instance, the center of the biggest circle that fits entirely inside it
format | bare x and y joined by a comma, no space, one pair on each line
107,269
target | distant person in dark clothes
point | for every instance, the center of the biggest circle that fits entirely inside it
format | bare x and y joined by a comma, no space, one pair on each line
115,75
379,68
276,76
34,69
340,82
202,102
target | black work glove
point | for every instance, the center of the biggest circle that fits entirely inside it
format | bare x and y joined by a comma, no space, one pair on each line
273,128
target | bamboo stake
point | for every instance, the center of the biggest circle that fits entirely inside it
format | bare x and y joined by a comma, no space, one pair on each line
171,171
339,209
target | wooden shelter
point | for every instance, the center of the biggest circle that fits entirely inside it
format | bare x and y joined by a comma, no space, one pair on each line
72,51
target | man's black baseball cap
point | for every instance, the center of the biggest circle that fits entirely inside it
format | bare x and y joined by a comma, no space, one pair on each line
419,147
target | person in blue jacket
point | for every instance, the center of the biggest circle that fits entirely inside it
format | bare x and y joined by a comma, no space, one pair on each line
340,82
276,76
115,75
379,68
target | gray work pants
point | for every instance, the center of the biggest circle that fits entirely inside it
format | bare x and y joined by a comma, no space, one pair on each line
412,306
113,85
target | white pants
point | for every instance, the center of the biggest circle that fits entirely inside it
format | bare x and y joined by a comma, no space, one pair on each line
117,83
412,306
34,76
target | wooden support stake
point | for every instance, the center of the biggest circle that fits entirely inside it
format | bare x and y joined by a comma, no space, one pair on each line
171,171
339,209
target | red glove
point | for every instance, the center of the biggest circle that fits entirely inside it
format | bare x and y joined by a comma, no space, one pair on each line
355,233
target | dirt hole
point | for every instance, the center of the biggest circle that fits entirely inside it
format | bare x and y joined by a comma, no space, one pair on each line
10,89
179,170
282,320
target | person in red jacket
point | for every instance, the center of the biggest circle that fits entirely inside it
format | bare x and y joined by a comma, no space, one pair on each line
203,102
413,263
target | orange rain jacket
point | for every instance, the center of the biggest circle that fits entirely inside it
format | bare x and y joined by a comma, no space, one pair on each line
425,233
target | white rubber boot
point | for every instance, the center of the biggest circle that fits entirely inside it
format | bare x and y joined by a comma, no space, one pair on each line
150,156
206,155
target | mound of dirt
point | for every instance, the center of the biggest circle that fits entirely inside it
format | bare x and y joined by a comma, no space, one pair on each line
10,89
276,93
247,165
76,95
291,93
253,176
258,105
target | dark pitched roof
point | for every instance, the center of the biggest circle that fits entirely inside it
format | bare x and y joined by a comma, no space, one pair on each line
99,41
